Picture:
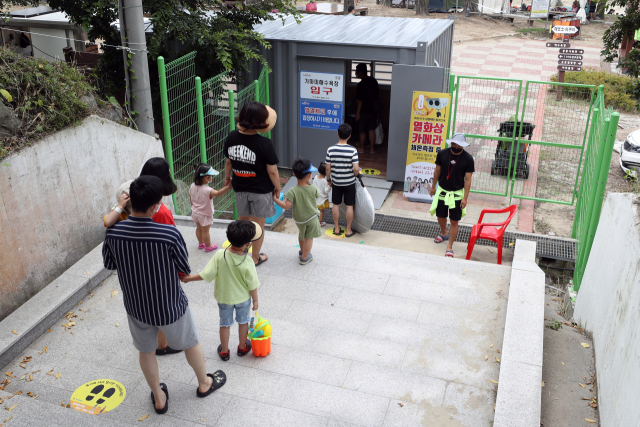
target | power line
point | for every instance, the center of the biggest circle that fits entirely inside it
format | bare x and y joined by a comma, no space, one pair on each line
128,49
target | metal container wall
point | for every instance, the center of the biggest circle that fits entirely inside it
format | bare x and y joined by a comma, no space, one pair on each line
406,41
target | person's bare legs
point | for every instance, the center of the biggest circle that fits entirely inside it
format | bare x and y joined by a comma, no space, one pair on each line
363,138
306,245
453,233
149,366
225,332
372,140
335,212
442,222
243,330
257,245
195,358
162,340
349,220
199,233
206,237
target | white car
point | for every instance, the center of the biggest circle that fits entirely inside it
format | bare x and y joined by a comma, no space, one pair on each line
630,154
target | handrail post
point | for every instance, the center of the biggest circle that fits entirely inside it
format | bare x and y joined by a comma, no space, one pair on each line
232,127
166,123
203,141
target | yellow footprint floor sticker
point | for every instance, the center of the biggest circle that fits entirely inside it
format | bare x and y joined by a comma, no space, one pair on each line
227,243
371,171
96,397
329,233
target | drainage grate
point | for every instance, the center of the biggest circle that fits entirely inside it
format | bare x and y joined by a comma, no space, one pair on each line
547,247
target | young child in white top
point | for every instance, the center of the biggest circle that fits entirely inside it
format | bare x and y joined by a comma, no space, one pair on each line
320,181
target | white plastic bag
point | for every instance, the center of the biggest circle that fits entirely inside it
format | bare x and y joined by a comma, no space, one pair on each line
379,134
364,212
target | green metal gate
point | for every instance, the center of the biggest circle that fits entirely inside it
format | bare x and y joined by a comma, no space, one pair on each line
196,118
563,143
480,105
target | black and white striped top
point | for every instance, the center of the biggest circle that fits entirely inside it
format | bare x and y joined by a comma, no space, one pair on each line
148,257
341,158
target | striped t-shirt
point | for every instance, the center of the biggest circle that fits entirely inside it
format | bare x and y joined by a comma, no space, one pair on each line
341,158
148,257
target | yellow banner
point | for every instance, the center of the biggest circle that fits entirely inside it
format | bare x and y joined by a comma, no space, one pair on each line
427,136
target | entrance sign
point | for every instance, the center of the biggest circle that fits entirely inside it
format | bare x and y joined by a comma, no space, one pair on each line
573,63
568,68
570,57
427,137
552,44
96,397
572,51
539,8
562,29
320,115
321,86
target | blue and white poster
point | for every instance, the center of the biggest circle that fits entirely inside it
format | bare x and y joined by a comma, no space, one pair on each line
320,115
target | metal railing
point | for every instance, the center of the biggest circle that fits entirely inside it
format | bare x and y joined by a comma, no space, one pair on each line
196,118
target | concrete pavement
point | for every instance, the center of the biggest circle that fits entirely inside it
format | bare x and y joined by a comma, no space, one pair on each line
363,336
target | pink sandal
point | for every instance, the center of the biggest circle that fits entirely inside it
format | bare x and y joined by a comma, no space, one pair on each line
201,246
213,247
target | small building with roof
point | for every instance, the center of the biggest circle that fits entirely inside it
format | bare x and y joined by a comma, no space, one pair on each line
313,70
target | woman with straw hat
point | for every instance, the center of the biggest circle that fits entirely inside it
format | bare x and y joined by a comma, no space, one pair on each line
252,162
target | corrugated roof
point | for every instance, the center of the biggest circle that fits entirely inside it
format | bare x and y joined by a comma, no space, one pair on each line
360,30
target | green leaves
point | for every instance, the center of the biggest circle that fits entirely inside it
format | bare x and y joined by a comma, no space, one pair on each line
6,95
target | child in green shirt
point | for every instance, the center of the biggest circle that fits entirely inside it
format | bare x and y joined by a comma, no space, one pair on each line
236,283
305,210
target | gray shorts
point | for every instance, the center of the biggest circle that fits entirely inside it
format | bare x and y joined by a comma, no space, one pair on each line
181,334
254,204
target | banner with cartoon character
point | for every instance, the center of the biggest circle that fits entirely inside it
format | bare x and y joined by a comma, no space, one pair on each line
427,136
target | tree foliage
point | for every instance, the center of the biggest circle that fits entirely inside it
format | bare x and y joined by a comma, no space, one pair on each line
625,25
224,40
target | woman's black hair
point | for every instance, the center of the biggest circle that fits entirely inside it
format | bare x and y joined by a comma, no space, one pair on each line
200,168
159,167
322,168
253,115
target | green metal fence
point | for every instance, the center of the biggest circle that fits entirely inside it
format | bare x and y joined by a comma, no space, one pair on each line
561,137
197,118
590,195
480,105
548,158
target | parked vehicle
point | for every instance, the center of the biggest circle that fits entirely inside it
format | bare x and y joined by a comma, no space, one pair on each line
630,154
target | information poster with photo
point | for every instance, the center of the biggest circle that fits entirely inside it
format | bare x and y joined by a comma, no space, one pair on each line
320,115
427,136
539,8
321,86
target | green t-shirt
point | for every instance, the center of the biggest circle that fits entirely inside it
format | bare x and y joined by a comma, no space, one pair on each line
304,202
235,277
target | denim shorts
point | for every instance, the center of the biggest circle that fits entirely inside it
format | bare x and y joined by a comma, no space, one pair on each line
243,311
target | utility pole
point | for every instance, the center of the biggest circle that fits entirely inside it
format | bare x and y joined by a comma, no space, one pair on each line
132,22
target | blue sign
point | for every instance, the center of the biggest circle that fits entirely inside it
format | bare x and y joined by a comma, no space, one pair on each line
320,115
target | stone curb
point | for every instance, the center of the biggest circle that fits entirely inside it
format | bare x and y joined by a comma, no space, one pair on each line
45,308
185,221
519,398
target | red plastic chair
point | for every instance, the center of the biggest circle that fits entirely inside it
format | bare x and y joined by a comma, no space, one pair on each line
489,231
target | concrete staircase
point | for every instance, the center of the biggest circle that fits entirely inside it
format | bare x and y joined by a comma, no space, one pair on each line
363,336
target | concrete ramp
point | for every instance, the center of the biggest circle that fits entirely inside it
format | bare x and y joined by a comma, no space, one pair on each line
362,336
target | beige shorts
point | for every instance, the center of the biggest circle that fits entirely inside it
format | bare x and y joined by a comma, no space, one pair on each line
203,220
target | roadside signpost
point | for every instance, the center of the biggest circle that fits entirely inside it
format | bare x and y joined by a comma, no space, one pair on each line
571,63
561,29
571,57
552,44
563,68
568,59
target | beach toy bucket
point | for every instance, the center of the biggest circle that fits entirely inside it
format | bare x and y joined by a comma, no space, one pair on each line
261,347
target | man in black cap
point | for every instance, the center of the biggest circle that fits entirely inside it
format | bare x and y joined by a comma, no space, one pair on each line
454,168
